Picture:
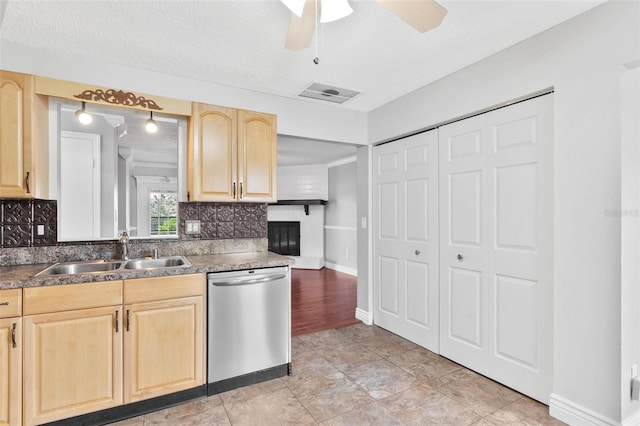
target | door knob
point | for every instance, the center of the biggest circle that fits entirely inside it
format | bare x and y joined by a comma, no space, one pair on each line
417,252
460,257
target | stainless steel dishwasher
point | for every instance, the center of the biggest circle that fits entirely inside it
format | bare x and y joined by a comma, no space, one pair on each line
249,327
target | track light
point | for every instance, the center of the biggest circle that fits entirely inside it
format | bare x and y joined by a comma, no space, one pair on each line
83,116
151,125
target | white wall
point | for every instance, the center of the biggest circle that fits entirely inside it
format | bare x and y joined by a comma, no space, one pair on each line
303,182
295,117
630,216
583,60
341,243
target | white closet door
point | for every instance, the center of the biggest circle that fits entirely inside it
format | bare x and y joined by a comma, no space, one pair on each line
406,238
496,196
464,255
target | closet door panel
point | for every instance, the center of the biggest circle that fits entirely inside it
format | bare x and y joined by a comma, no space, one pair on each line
406,238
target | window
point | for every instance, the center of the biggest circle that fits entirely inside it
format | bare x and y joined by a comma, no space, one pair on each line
163,209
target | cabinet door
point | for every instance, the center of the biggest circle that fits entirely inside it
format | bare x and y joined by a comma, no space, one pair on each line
72,363
213,154
10,371
257,156
16,172
24,168
164,347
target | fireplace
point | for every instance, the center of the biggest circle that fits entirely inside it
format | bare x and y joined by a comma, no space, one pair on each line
284,238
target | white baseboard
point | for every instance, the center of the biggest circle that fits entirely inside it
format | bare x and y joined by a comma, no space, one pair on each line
340,268
364,316
307,262
574,414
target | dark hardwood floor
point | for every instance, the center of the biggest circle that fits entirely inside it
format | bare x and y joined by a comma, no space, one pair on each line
321,299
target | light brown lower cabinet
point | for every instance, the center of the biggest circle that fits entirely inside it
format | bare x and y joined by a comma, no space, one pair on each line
163,348
10,371
72,357
122,342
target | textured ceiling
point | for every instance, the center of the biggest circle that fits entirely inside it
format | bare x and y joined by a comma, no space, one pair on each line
240,43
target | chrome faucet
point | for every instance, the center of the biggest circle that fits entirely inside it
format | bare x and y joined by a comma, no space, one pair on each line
154,253
124,242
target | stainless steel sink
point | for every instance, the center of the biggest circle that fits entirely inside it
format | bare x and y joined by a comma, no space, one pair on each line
101,266
163,262
88,267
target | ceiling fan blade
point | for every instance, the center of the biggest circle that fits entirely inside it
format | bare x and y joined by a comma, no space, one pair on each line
423,15
301,28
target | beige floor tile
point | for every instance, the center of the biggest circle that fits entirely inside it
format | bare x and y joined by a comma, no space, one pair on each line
274,408
525,411
381,378
324,338
247,392
370,413
203,411
325,398
388,344
345,356
435,369
312,364
480,394
424,405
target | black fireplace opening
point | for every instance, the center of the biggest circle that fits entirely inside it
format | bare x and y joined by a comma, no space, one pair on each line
284,238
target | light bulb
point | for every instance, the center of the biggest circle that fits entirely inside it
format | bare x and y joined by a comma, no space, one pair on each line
151,125
83,116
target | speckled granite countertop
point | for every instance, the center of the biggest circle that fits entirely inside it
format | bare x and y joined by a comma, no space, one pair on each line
24,275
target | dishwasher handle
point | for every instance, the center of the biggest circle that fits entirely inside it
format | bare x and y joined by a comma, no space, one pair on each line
246,280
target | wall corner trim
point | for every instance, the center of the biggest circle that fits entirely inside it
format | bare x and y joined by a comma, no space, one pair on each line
364,316
574,414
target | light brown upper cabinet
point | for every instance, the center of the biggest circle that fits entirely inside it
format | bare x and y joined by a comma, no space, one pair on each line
232,155
24,168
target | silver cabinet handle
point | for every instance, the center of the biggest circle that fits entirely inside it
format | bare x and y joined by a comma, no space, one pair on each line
417,252
234,190
241,190
28,182
128,321
460,257
117,322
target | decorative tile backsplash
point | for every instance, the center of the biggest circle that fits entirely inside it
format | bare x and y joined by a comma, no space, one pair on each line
28,223
224,221
33,223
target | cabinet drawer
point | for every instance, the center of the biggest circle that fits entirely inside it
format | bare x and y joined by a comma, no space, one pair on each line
162,288
40,300
10,303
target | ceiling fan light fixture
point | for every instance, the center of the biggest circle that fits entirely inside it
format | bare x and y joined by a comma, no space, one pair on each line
332,10
83,116
295,6
151,126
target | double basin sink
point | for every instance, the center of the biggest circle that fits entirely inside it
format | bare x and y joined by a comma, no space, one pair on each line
97,266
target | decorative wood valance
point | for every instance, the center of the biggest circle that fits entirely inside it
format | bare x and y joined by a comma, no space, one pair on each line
118,97
105,95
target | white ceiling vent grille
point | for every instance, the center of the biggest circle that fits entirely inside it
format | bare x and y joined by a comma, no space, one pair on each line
328,93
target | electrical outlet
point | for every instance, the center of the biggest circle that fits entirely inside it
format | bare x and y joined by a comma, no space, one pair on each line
191,226
363,222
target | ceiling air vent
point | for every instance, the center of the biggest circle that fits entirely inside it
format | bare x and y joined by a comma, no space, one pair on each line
328,93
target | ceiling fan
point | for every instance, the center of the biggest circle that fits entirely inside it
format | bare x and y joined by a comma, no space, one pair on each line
423,15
